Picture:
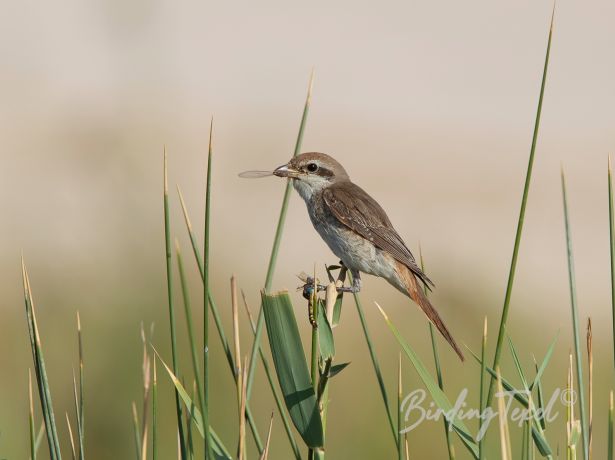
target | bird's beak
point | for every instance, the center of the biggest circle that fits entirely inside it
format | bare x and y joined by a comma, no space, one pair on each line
285,171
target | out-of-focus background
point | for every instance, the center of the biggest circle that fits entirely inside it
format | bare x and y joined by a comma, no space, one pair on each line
429,105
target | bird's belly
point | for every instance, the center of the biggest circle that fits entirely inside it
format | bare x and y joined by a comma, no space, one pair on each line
356,252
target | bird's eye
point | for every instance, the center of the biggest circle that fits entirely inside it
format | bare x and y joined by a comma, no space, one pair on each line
312,167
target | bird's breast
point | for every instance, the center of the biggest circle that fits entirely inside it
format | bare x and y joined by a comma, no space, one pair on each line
356,252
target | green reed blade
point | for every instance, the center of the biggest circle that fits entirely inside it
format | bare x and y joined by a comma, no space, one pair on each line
612,248
575,324
155,414
438,396
169,272
192,340
481,396
400,443
610,428
291,367
79,409
278,400
225,344
436,357
526,189
220,452
40,370
208,449
278,239
375,363
276,242
31,419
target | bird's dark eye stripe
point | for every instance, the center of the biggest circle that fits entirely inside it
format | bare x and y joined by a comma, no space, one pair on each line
324,172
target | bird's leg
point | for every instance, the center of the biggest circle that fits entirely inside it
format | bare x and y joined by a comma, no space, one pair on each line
356,283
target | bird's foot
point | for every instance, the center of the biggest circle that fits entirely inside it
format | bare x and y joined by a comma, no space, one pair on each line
351,289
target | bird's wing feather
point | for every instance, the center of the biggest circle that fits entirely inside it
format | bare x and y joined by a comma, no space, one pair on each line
353,207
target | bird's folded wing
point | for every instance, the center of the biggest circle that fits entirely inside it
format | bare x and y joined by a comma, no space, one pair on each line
353,207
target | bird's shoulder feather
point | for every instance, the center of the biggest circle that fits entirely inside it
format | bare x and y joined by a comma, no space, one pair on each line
354,208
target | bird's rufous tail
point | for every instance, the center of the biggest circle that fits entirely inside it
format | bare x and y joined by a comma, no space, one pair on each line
416,293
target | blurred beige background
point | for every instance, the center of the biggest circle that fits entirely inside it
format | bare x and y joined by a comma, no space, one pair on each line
429,105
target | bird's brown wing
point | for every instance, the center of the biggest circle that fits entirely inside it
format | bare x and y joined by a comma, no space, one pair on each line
352,206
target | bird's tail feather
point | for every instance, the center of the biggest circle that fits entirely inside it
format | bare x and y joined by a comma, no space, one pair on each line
416,293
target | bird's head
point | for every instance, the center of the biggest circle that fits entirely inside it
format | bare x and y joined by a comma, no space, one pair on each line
312,172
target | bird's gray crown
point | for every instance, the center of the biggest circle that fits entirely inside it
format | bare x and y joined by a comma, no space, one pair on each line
319,164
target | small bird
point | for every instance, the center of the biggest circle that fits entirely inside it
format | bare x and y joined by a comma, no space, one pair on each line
358,231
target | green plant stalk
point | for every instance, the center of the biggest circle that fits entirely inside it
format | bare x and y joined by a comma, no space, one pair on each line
277,240
612,250
276,245
575,324
137,432
481,405
436,357
169,271
610,428
281,407
155,415
188,313
375,363
400,439
438,396
314,360
208,449
80,417
526,189
226,347
31,419
40,371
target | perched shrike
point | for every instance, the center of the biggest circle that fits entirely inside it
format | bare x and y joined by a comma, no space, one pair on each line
358,231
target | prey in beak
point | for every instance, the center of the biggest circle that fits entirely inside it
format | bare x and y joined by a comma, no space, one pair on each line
286,171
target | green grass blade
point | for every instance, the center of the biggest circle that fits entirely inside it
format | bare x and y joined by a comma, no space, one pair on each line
517,362
612,250
291,367
278,239
540,370
208,447
155,414
575,324
375,363
526,189
191,338
436,358
40,370
79,409
71,438
225,344
434,390
481,403
31,419
325,334
540,395
610,425
137,432
281,407
169,272
536,429
220,452
400,443
276,243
